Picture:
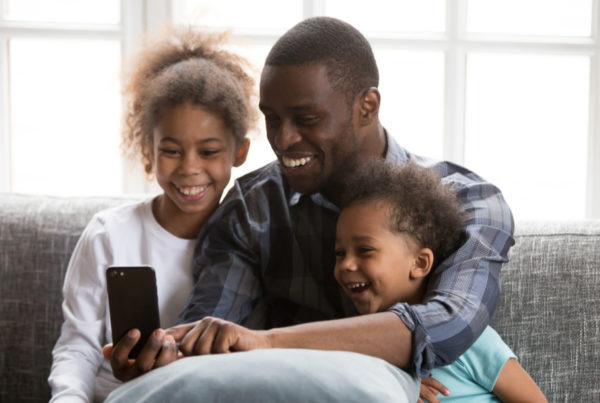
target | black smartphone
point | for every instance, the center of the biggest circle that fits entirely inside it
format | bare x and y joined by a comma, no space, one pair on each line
133,302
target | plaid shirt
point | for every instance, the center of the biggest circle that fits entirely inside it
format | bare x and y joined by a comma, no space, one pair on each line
268,252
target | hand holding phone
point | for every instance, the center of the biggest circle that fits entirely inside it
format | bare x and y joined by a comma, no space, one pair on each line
133,302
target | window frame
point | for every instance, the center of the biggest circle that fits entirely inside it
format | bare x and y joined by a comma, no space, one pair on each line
139,16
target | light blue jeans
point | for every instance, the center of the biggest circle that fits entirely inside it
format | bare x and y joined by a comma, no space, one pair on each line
275,375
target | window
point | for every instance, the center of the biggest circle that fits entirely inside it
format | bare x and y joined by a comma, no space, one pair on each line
510,89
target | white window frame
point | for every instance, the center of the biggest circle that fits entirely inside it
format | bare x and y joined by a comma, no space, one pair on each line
139,16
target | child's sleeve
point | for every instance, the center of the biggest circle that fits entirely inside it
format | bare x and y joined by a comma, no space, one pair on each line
486,357
77,354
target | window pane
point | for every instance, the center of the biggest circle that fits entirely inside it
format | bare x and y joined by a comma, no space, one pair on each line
526,130
65,11
273,15
412,96
531,17
386,15
65,106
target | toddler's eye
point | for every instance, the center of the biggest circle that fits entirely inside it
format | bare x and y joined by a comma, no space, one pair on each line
339,254
365,250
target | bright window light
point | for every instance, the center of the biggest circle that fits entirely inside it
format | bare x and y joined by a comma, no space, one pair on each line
65,104
64,11
274,15
390,16
412,98
526,130
531,17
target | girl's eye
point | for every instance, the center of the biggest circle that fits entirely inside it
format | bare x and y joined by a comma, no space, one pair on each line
339,253
208,153
169,151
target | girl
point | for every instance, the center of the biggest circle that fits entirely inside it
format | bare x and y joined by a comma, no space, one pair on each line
188,109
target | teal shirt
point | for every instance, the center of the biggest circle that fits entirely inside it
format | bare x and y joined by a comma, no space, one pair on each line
473,375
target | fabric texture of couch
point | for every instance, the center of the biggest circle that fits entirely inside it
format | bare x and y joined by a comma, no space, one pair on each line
549,311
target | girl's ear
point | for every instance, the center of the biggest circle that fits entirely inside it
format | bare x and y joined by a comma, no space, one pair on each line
422,263
242,153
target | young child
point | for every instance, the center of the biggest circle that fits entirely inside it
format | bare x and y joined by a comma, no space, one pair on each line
188,109
396,223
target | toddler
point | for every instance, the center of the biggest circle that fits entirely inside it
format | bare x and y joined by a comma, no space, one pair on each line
395,225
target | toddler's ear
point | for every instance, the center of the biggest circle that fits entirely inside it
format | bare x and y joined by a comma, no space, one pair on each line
242,152
422,263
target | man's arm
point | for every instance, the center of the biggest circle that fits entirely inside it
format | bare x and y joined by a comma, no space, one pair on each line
371,334
463,291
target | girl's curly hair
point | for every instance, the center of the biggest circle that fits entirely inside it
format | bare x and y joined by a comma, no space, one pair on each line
182,65
419,204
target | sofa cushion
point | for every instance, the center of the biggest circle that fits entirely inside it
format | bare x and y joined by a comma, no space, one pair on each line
549,311
37,236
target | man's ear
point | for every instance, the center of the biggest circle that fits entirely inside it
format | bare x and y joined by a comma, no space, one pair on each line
422,263
242,152
368,106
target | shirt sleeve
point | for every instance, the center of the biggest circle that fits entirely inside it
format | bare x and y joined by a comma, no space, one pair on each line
463,291
486,357
226,284
77,354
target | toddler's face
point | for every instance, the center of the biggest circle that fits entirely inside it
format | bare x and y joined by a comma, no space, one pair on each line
373,264
193,154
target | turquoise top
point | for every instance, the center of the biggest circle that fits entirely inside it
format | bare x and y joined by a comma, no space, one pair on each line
473,375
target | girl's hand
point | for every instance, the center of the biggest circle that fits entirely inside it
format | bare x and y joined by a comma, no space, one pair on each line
160,350
431,387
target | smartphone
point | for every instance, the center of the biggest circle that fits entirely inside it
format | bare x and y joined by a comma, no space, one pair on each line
133,302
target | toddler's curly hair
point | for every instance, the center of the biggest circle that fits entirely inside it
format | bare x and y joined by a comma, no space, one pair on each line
419,204
181,65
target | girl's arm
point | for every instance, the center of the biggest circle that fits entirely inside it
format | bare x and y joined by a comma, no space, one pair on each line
515,385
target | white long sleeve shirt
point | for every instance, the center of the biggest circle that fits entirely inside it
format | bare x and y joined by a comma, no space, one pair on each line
124,235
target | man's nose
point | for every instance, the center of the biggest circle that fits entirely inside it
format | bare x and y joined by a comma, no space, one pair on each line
286,136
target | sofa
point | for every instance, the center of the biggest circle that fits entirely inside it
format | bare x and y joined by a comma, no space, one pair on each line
549,312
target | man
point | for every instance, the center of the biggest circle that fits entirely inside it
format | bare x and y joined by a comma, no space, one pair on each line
269,250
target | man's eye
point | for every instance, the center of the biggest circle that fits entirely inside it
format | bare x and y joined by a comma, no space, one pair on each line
271,120
307,119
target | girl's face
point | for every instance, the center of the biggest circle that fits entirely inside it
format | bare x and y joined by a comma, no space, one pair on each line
193,152
375,266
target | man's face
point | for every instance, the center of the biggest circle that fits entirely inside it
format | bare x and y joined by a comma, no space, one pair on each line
309,126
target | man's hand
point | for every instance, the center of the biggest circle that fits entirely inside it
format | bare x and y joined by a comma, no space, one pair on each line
126,369
431,387
215,336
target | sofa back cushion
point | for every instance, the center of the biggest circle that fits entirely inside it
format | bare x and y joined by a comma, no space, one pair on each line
37,236
549,311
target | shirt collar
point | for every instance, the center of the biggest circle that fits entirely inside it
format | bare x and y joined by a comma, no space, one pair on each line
394,154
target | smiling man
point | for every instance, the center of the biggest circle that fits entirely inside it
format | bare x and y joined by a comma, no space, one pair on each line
268,254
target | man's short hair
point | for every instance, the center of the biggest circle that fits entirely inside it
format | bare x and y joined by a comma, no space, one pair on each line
419,204
351,66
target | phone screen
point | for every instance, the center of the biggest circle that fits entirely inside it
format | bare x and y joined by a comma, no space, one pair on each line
133,302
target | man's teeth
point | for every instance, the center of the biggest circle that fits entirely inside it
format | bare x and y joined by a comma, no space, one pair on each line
293,163
192,190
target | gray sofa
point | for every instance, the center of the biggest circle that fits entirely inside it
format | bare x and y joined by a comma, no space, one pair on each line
549,312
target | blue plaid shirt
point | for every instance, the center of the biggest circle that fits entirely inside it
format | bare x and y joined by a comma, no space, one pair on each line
268,252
